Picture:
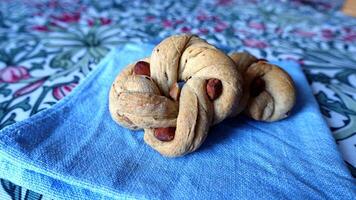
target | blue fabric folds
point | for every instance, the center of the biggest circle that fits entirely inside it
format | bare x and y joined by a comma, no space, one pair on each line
74,150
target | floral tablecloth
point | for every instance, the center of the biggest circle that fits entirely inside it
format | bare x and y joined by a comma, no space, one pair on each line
47,47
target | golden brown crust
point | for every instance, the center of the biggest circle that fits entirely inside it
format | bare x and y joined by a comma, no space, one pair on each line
276,97
136,101
265,93
243,60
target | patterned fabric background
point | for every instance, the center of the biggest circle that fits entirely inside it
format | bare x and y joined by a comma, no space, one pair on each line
47,47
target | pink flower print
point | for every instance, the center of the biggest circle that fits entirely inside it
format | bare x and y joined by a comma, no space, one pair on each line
349,37
255,43
327,33
12,74
256,25
90,22
241,31
101,21
220,27
68,17
167,23
292,58
347,29
63,90
105,21
179,21
203,30
224,2
202,17
185,29
304,33
40,28
29,88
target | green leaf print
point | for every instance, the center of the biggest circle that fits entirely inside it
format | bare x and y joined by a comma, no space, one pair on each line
319,77
350,128
327,104
4,91
62,60
24,105
344,75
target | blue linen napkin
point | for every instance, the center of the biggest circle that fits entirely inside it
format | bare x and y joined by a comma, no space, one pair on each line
74,150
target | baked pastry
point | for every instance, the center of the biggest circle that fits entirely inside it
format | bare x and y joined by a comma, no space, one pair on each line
176,119
269,93
146,95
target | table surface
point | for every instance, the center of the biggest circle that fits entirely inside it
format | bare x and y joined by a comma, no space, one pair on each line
47,47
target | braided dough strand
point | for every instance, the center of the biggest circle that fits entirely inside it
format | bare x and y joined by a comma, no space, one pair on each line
138,101
278,97
268,91
135,102
198,62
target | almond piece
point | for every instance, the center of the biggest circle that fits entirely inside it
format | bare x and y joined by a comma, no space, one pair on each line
257,86
174,91
142,68
214,88
165,134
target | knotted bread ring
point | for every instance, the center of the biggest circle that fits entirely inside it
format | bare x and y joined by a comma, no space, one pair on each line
268,91
145,94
